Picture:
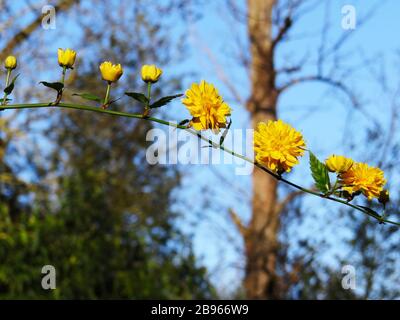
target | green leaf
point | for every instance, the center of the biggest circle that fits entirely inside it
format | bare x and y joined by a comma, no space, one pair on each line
88,96
371,212
320,174
58,86
138,97
164,101
10,87
2,100
221,140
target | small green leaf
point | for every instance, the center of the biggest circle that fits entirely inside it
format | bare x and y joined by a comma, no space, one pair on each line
2,100
164,101
10,87
58,86
371,212
88,96
138,97
320,174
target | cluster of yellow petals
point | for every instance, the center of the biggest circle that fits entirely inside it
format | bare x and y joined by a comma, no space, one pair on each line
338,164
277,145
363,178
208,109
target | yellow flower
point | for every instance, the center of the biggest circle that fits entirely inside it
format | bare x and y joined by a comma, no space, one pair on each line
363,178
338,164
10,62
111,72
66,58
208,109
150,73
277,145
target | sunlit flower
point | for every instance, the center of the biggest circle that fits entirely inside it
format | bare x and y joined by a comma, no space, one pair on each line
277,145
150,73
363,178
111,72
66,58
208,109
338,164
10,62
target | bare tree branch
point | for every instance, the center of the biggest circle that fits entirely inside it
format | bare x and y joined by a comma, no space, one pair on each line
327,80
238,223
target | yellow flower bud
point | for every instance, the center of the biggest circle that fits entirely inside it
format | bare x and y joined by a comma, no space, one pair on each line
338,164
150,73
66,58
111,72
10,62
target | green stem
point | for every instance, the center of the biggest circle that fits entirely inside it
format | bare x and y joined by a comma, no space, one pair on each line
333,189
147,105
7,83
209,141
107,93
148,93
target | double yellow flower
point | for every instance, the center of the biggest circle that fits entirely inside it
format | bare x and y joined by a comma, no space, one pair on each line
357,177
277,145
206,106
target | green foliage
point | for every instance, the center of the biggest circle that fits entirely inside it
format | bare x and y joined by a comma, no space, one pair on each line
320,174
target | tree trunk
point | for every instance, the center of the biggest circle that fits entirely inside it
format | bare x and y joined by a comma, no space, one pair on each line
261,241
